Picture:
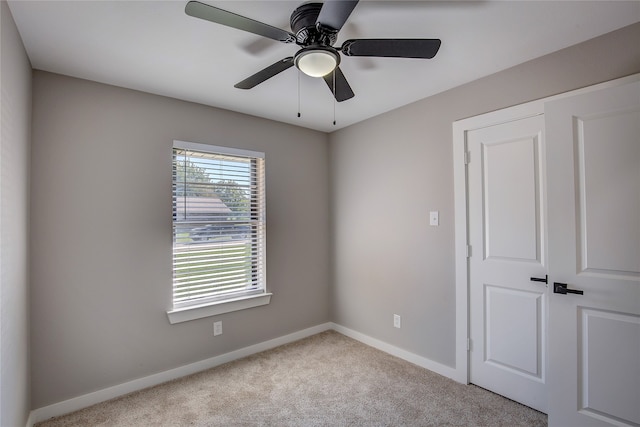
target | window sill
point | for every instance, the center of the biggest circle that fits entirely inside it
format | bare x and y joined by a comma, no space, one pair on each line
213,309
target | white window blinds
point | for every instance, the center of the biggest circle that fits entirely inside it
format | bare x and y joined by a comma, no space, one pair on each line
218,223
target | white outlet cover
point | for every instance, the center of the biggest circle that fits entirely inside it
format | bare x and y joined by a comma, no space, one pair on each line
217,328
434,218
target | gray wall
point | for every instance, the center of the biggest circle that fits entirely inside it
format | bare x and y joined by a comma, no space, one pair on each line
390,171
101,234
15,142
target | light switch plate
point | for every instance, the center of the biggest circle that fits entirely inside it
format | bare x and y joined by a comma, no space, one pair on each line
434,218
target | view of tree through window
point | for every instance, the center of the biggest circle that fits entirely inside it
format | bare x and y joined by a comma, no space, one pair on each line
189,177
195,180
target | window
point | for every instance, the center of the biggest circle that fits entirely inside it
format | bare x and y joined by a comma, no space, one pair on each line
218,230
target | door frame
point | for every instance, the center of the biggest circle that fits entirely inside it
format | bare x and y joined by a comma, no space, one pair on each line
460,160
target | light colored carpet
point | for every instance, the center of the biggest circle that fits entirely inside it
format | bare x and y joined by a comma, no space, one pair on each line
324,380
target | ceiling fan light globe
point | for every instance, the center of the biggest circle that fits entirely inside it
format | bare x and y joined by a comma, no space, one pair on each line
316,63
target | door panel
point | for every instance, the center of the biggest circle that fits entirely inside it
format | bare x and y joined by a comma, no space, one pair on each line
508,312
515,345
510,197
609,231
610,385
593,164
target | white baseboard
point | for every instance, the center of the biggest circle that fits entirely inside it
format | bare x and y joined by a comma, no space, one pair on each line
31,420
108,393
423,362
99,396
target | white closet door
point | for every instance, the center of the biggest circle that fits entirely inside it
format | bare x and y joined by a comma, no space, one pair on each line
508,311
593,165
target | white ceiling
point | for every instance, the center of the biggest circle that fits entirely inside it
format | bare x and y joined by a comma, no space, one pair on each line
153,46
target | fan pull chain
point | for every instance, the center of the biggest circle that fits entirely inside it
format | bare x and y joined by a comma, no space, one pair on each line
334,96
299,115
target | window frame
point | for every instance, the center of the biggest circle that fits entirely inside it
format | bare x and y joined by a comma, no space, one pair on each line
214,305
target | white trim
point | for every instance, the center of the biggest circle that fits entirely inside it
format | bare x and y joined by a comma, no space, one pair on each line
461,250
80,402
219,307
220,304
460,129
423,362
31,420
195,146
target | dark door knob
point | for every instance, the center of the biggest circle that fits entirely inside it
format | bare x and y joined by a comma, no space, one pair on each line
540,279
561,288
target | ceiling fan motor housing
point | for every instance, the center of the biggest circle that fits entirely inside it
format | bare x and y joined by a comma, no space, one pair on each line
303,23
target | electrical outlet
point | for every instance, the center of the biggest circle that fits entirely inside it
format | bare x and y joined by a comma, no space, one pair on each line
217,328
396,321
434,218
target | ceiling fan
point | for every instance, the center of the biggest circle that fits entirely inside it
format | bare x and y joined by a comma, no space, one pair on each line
315,28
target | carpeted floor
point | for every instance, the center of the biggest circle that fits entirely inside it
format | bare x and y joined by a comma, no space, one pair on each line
324,380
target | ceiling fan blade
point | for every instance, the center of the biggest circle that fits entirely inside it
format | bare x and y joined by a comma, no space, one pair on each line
334,13
392,48
220,16
343,90
265,74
